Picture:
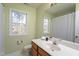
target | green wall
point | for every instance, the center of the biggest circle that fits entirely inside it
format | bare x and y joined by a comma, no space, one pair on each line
41,13
11,41
35,28
65,10
77,6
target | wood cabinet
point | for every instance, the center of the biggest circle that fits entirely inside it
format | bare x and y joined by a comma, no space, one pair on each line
42,52
37,51
34,49
34,52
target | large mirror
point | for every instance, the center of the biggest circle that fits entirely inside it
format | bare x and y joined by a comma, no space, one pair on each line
65,21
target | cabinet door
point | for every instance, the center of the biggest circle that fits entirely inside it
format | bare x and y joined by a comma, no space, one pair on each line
34,49
34,46
34,52
41,52
39,55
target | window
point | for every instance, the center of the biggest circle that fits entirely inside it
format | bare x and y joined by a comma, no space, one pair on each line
45,26
18,23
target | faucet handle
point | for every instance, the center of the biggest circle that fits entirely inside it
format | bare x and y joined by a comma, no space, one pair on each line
55,43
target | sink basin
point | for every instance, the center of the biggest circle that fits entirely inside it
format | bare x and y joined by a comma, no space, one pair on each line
51,46
55,48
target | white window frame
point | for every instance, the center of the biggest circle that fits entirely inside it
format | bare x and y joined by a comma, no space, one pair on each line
10,22
48,26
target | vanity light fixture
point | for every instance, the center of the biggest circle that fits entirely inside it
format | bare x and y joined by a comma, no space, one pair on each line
52,4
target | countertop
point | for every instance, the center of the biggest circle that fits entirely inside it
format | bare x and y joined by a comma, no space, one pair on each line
63,51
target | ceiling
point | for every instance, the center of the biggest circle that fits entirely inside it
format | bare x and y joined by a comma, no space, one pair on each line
56,9
35,5
61,8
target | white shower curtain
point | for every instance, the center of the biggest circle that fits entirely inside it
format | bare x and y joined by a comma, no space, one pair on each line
63,27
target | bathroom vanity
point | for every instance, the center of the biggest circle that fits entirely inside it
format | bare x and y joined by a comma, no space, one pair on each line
46,48
38,51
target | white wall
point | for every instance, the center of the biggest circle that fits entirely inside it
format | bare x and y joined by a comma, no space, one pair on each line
1,30
63,27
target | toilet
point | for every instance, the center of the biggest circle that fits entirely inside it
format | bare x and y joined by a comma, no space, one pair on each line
27,50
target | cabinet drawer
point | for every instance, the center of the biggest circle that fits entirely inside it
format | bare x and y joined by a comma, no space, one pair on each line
34,45
39,55
42,52
34,52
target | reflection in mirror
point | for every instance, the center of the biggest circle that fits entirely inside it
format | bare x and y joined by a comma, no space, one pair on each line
64,24
77,27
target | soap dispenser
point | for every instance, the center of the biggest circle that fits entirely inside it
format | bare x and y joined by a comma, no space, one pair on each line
46,38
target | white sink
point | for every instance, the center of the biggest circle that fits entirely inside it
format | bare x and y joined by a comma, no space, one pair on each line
55,48
50,45
61,49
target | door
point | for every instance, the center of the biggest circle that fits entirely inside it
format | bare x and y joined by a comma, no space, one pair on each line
77,27
1,30
71,27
